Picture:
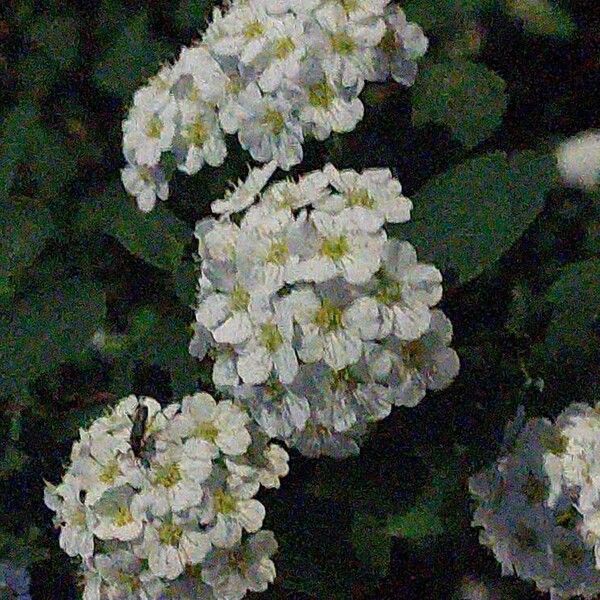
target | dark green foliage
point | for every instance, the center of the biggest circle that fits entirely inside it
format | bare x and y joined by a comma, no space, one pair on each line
467,218
466,97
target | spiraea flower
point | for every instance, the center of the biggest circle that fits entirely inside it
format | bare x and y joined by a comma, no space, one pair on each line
531,505
150,491
270,71
318,323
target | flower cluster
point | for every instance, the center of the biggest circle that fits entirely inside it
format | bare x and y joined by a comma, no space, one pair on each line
317,321
538,504
156,502
14,582
272,71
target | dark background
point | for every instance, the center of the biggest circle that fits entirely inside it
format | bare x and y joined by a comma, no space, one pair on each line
79,252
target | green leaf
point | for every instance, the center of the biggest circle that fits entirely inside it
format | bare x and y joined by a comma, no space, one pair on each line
542,17
159,237
575,297
25,227
465,219
57,39
132,57
47,329
193,14
443,14
466,97
13,143
418,523
372,543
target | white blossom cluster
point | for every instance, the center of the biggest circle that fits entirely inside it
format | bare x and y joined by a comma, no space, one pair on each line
163,507
316,320
272,71
538,504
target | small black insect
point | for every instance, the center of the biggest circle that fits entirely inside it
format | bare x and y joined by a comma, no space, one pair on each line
138,430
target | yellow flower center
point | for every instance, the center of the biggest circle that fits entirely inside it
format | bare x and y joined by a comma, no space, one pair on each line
109,473
278,253
328,317
206,431
567,518
274,120
130,582
270,337
388,43
569,553
253,30
123,517
360,198
197,133
414,354
554,442
534,489
169,534
224,503
336,247
284,47
342,43
389,292
77,518
321,95
154,127
168,475
240,299
350,5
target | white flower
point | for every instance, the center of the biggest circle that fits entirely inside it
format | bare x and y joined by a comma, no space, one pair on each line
311,188
221,427
331,332
123,576
201,76
276,408
117,518
74,518
176,477
317,440
201,139
402,44
411,368
170,544
367,200
266,127
242,32
229,510
244,194
270,247
579,160
145,183
246,567
539,542
149,130
285,50
348,55
341,249
360,10
405,290
269,348
326,107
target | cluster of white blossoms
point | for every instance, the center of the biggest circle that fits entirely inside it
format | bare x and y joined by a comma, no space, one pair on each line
272,71
159,503
315,319
539,504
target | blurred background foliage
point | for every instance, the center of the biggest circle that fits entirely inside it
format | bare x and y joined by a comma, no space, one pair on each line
95,296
